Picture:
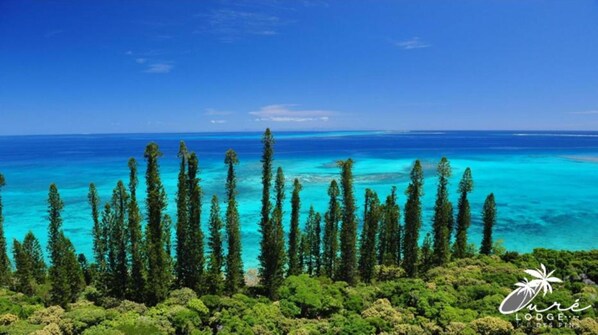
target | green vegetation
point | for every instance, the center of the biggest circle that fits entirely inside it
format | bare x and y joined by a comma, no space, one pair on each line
387,284
460,297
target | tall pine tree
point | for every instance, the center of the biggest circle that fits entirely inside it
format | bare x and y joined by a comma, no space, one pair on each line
389,247
137,265
413,219
66,277
159,274
195,238
33,249
265,221
443,215
234,265
274,270
29,263
4,262
311,241
330,238
348,235
271,255
182,265
117,243
216,260
489,220
23,275
367,259
295,233
463,214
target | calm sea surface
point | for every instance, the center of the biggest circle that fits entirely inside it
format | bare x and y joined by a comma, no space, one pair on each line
546,183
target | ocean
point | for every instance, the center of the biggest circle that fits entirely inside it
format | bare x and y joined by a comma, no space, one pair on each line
545,183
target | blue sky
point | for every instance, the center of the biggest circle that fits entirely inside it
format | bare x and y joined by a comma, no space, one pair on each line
184,66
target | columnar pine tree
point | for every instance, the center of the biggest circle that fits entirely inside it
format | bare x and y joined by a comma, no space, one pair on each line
65,273
182,264
463,214
216,260
33,249
330,239
234,264
443,215
295,233
309,242
195,239
489,219
348,235
367,259
29,263
101,249
24,281
270,255
137,282
98,244
4,262
274,269
158,260
117,243
413,219
265,222
389,247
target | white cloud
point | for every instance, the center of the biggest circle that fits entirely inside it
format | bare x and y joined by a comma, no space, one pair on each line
413,43
159,68
231,24
217,121
284,113
589,112
140,60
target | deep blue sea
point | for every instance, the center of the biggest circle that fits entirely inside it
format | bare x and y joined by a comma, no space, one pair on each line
546,183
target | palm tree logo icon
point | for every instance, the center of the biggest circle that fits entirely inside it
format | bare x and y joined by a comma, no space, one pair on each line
527,290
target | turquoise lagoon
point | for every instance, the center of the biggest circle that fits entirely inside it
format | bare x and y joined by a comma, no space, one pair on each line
546,183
